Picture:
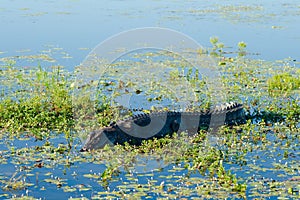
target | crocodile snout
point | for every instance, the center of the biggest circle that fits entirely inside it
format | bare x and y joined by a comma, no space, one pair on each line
95,140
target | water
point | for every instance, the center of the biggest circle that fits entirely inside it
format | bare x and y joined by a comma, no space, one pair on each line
68,30
71,25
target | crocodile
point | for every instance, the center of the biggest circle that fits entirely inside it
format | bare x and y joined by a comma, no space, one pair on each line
146,126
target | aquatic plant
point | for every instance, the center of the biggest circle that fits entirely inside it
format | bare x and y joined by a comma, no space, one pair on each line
283,83
256,160
35,102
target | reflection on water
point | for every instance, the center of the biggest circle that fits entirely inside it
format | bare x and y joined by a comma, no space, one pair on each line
47,33
270,28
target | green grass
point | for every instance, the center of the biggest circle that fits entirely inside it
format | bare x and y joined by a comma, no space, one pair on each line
35,102
46,104
283,83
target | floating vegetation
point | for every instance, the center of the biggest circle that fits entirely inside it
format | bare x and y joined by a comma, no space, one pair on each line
236,13
37,14
40,57
44,113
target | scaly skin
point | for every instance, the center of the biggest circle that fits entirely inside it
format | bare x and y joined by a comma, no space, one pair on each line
159,124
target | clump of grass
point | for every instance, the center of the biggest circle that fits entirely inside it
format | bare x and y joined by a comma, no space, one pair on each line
217,49
38,103
104,111
241,48
283,82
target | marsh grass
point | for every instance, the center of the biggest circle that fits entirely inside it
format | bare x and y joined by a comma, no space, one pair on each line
46,104
35,102
282,83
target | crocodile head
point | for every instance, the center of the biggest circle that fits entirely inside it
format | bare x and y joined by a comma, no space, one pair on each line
97,139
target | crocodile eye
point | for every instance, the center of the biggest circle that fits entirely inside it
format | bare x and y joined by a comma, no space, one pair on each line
175,126
112,123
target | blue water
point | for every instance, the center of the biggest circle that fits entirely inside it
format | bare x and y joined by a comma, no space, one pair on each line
74,24
69,29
